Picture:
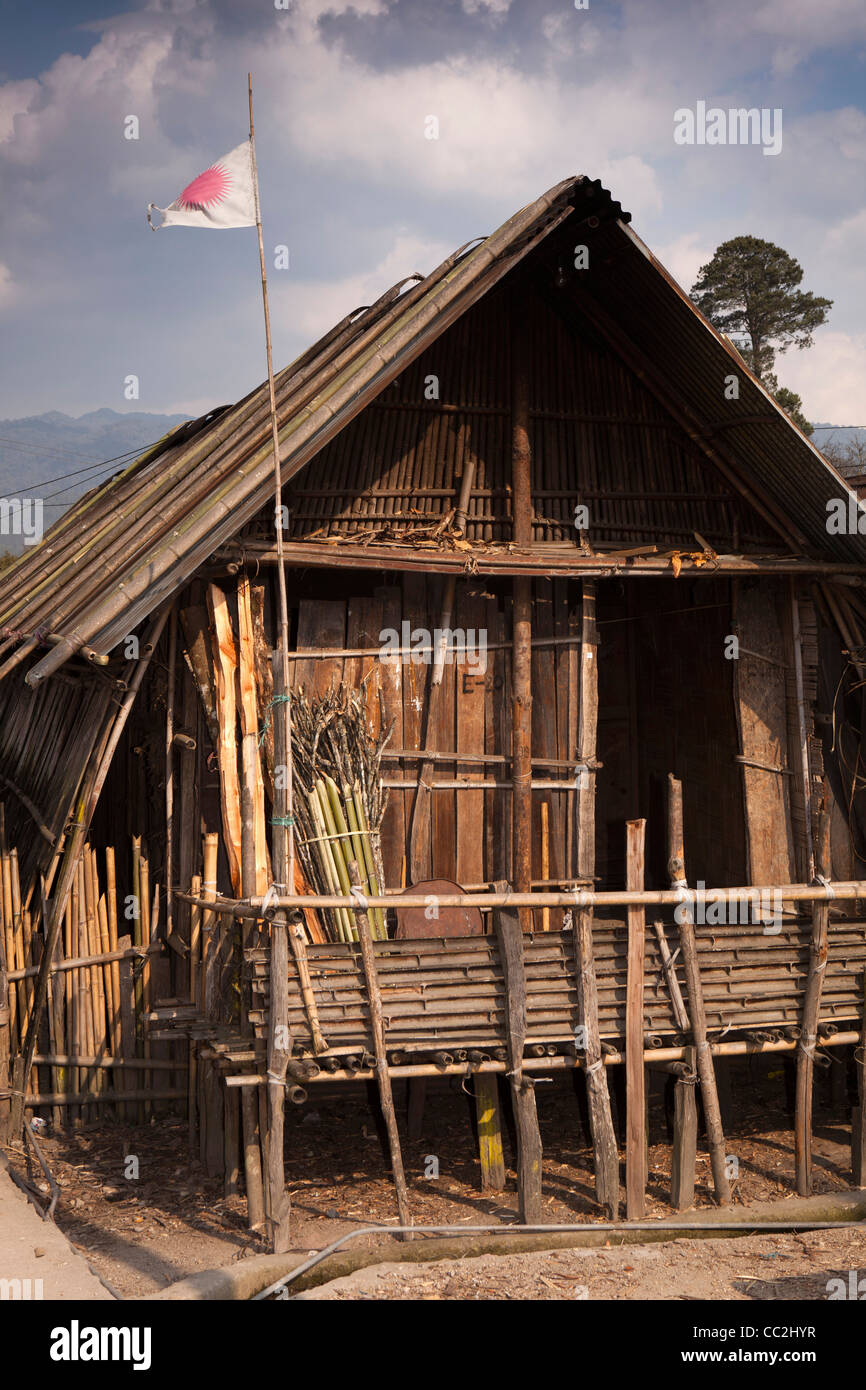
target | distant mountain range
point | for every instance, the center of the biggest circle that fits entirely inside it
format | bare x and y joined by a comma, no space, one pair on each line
52,456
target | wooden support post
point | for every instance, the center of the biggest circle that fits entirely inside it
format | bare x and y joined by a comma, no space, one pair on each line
684,1155
510,937
635,1077
604,1147
811,1013
383,1078
685,1145
211,1125
489,1125
252,1157
279,1035
488,1119
858,1115
521,521
231,1143
697,1015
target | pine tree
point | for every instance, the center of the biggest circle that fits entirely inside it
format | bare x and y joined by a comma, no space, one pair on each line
750,290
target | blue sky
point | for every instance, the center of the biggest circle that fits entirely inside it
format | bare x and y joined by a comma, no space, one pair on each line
526,93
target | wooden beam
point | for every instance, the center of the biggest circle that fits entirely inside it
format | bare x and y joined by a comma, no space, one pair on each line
521,524
811,1010
635,1079
510,938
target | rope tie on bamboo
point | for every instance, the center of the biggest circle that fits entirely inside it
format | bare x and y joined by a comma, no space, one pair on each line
272,898
825,883
595,1067
276,700
359,897
582,897
286,821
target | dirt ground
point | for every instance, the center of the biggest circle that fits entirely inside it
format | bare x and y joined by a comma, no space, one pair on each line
142,1225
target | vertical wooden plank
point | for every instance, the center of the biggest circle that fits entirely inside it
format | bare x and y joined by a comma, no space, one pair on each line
321,623
256,870
495,801
225,663
231,1140
393,835
761,710
566,624
471,685
416,685
635,1078
510,937
544,735
442,735
363,628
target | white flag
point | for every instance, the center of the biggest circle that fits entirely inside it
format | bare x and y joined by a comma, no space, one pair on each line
223,196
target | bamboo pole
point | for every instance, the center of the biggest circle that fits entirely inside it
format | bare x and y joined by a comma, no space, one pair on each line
847,890
858,1117
377,1023
697,1014
811,1005
287,871
279,1035
195,999
635,1138
171,682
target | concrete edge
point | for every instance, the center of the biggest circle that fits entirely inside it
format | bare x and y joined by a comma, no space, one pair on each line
243,1280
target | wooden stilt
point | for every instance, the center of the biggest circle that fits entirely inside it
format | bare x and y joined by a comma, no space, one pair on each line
635,1077
685,1143
383,1078
231,1141
697,1015
811,1012
279,1036
252,1156
685,1135
510,936
489,1124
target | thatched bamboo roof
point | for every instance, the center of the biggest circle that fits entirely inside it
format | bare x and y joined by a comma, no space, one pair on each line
133,542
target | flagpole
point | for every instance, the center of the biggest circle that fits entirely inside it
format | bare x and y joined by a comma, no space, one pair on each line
286,867
277,1203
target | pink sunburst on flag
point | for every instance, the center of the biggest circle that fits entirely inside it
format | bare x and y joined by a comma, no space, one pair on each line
207,190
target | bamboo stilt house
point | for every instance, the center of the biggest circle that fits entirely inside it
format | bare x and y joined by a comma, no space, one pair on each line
569,565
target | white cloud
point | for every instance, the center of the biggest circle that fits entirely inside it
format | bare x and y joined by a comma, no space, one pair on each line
830,376
316,305
684,256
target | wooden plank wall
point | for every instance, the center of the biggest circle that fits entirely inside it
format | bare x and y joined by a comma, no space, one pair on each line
469,834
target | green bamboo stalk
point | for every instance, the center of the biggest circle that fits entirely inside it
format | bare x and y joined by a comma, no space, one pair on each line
323,851
335,845
380,929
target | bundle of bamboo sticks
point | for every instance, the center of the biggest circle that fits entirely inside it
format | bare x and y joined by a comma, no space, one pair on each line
339,800
99,989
